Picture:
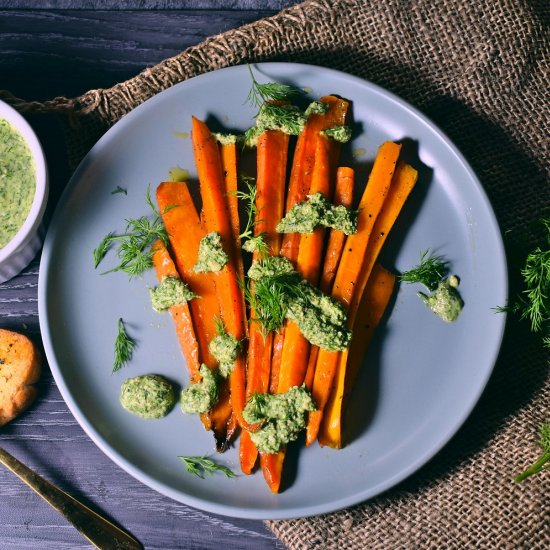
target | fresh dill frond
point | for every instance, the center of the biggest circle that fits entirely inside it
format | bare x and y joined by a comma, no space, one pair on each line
101,251
543,463
274,91
251,242
119,191
428,272
201,466
134,245
124,347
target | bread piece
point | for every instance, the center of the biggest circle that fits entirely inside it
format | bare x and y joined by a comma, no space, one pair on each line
19,368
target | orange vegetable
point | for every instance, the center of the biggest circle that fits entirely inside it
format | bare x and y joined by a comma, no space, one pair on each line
375,300
181,314
215,213
349,269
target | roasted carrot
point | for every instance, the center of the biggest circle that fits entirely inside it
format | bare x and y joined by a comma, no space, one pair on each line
375,300
349,269
216,218
304,158
343,195
272,153
181,314
185,232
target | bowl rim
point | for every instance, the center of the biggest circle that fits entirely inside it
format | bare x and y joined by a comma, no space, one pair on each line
38,206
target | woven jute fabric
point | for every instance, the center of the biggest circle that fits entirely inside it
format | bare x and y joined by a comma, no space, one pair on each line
480,70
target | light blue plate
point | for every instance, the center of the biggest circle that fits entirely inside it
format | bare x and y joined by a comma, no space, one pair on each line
422,376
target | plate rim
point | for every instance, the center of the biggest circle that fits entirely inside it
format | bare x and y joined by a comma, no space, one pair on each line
202,503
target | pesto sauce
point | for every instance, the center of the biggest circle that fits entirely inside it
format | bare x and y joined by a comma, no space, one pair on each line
317,211
283,294
227,139
200,397
148,396
445,301
177,174
342,134
225,349
283,417
212,257
171,291
17,181
316,108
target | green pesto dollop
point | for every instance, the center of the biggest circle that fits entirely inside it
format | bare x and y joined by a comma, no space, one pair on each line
17,181
225,348
148,396
212,256
316,108
445,301
317,211
285,118
226,139
283,417
342,134
171,291
200,397
280,293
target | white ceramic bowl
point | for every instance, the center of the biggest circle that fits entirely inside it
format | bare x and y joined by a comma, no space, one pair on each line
20,251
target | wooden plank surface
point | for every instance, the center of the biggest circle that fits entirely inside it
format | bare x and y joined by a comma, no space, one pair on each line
49,52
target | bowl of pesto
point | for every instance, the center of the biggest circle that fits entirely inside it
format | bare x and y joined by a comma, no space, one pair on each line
23,192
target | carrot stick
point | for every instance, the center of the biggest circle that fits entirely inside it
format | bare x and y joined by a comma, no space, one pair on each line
217,218
185,231
375,300
343,195
349,270
304,158
272,153
181,314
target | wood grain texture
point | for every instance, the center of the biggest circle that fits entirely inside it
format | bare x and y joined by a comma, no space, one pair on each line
44,53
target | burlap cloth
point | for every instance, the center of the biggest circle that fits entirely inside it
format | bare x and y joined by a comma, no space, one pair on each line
480,71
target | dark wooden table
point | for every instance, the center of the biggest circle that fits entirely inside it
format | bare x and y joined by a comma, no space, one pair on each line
65,47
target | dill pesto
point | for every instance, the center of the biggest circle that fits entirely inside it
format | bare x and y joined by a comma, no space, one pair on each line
285,118
280,293
445,301
283,417
225,348
200,397
170,292
17,181
212,257
342,134
227,139
316,108
317,211
148,396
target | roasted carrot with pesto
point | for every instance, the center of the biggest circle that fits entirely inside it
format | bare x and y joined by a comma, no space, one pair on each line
349,269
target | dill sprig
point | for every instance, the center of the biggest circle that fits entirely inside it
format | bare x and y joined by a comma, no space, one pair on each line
543,462
428,272
200,466
119,190
124,347
260,93
134,245
251,242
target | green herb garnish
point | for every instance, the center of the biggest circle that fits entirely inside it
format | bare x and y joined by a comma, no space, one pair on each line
119,190
251,242
200,466
429,272
124,347
543,463
134,246
260,93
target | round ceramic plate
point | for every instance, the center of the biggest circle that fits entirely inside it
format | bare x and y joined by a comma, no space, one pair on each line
421,377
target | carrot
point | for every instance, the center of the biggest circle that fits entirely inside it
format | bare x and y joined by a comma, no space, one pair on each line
343,195
181,314
216,217
375,300
349,269
272,153
185,231
304,158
